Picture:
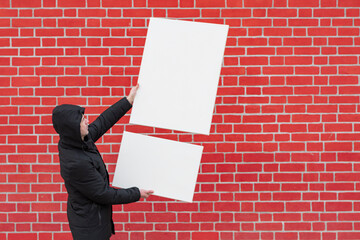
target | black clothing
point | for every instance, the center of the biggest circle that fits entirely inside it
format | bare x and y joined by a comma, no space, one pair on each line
90,198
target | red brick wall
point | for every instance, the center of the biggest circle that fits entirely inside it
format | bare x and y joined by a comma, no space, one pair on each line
282,159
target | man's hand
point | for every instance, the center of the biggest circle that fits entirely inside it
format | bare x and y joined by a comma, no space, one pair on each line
132,94
146,193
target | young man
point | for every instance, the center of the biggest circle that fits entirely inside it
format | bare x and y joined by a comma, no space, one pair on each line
90,197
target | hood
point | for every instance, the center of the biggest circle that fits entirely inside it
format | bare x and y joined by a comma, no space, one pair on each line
66,120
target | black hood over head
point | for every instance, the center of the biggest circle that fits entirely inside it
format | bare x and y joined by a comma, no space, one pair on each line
66,120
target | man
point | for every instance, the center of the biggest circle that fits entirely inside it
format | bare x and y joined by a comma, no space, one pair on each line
90,198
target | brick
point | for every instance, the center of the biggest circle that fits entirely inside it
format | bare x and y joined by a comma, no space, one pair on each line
299,226
26,22
297,207
205,217
259,119
49,32
95,70
253,60
62,42
277,32
205,235
322,109
349,217
160,217
71,22
287,217
269,207
349,157
227,226
26,61
116,22
134,13
210,4
94,51
183,226
22,4
298,60
235,12
5,4
329,12
303,22
72,61
96,32
114,3
349,196
256,157
256,22
305,3
348,235
75,3
227,206
280,12
267,187
254,42
297,41
349,3
338,206
343,146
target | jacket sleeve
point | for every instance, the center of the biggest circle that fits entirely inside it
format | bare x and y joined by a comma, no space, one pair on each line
108,118
89,182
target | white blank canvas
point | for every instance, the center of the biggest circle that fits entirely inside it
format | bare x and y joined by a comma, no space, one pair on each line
168,167
179,75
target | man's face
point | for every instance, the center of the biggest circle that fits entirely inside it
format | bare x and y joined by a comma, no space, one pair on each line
84,129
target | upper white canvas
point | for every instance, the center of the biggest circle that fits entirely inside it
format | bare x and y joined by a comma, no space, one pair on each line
179,75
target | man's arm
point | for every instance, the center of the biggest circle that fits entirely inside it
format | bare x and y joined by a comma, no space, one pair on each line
87,180
111,115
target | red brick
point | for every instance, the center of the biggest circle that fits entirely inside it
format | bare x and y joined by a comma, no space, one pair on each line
349,217
348,3
236,13
338,206
337,146
26,4
160,217
205,235
348,235
279,12
305,3
349,157
227,206
26,61
114,3
75,3
269,207
210,4
16,236
227,226
137,12
297,207
258,3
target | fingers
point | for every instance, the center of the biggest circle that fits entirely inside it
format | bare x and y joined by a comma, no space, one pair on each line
132,94
146,193
149,192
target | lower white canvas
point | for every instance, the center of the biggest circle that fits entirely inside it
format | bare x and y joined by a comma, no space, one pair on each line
168,167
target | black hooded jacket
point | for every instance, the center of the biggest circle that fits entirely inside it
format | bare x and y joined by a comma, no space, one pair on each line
90,198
